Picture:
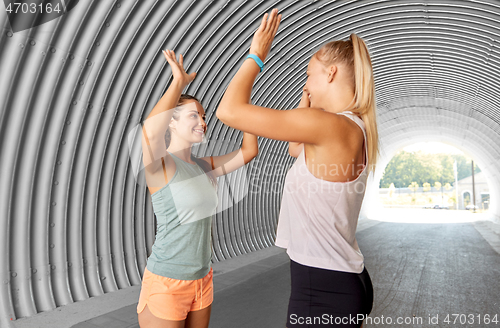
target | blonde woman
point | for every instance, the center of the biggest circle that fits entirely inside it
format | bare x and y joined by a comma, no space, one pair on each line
333,134
177,285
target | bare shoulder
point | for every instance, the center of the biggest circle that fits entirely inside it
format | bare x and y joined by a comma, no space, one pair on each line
352,132
337,126
325,123
344,131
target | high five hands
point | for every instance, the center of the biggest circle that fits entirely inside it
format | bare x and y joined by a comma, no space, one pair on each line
264,36
177,68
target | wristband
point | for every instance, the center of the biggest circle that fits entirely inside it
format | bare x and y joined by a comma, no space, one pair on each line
257,60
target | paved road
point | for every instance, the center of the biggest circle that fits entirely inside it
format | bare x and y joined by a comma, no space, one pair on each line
419,271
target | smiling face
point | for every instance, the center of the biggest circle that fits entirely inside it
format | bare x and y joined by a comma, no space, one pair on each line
317,82
190,124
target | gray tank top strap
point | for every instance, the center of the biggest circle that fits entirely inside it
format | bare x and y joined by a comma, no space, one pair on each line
184,167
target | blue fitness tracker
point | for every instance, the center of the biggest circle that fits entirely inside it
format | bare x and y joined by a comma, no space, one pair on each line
257,60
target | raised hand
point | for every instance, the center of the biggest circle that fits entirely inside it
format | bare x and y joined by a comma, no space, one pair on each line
304,101
177,68
264,36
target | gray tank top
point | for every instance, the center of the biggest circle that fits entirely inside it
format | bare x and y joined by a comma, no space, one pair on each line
184,208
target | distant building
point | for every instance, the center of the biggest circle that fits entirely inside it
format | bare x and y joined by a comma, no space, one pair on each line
481,188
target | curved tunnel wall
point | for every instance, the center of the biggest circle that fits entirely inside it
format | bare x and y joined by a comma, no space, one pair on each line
76,218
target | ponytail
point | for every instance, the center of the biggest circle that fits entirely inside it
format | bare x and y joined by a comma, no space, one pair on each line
364,96
355,56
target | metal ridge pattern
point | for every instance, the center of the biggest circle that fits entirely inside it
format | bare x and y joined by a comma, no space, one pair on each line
75,221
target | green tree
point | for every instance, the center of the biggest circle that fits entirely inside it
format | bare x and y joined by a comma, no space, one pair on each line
430,168
406,167
426,186
446,175
401,170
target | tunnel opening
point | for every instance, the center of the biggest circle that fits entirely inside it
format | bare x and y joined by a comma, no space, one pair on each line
432,182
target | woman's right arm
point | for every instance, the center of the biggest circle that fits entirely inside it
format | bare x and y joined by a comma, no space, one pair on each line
294,148
156,124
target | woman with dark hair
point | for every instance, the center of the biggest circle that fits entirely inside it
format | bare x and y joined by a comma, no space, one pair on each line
333,134
177,286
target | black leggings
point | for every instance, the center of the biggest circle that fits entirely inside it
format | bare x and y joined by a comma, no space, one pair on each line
328,298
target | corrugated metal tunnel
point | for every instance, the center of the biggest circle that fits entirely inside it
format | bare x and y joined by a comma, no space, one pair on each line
76,219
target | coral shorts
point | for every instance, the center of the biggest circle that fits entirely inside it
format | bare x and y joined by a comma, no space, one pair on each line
173,299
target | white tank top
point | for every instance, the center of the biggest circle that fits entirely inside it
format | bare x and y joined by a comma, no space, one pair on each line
318,218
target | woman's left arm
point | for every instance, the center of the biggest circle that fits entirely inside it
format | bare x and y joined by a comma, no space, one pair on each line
305,125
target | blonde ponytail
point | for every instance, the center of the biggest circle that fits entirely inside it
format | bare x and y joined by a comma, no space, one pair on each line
364,96
355,56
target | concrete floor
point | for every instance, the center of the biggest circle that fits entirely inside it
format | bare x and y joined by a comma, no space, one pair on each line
421,273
